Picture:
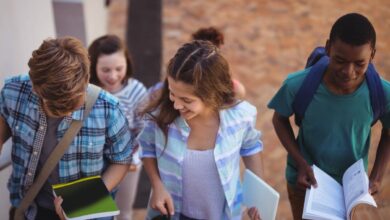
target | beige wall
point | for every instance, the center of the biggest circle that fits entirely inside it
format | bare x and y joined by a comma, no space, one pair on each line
24,24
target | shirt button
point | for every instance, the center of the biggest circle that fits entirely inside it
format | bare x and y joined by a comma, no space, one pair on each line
35,153
29,173
41,128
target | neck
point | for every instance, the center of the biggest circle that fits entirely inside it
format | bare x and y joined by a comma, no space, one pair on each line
209,118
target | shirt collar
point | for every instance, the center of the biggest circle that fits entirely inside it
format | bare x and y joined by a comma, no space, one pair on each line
35,103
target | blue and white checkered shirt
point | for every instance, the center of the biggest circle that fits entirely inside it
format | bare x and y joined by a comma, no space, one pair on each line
236,137
103,139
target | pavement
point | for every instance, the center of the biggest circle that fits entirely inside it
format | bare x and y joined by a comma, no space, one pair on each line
264,41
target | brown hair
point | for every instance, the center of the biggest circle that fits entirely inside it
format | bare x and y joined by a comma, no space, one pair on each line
201,65
108,44
59,72
211,34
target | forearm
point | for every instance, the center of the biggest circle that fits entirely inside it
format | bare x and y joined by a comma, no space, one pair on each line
254,163
150,166
286,136
114,175
382,156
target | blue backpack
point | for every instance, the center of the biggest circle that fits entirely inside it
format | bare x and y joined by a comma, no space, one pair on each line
318,61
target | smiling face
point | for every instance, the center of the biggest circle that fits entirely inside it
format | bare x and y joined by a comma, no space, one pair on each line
111,70
185,101
347,66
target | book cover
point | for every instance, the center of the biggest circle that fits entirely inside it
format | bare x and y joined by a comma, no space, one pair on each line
257,193
86,198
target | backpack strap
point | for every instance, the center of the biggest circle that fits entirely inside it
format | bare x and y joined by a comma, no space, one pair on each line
315,56
377,94
308,88
318,62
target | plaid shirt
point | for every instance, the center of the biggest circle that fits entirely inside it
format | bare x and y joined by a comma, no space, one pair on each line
103,139
237,136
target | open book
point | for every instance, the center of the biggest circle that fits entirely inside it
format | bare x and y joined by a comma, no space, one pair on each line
257,193
330,200
86,198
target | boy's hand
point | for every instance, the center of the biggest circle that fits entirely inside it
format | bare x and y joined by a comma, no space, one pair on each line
57,204
305,177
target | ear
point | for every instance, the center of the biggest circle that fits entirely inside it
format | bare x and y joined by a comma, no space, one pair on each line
372,54
327,47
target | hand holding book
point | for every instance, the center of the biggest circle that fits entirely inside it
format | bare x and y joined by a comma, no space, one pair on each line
85,198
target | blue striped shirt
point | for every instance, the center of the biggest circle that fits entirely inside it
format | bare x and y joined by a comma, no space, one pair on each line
237,136
103,139
132,98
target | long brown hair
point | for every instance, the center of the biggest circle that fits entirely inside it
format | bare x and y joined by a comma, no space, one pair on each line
199,64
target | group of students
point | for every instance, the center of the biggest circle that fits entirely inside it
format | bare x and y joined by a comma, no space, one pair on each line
190,132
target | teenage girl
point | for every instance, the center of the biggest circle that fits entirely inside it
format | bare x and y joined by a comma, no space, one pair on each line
111,69
194,136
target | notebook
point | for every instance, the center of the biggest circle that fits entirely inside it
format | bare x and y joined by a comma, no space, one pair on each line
257,193
86,198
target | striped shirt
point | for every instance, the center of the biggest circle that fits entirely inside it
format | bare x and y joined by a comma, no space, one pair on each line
103,139
237,136
131,100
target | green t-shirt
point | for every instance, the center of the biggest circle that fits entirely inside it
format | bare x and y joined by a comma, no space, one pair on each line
336,129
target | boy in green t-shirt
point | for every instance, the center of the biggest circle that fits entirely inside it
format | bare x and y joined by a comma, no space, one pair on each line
336,128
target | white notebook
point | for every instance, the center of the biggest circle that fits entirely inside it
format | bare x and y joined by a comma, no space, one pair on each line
258,193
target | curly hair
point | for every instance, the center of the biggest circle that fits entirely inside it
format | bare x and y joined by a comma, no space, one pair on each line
211,34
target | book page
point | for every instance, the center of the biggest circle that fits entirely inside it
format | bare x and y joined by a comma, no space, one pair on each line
327,200
355,186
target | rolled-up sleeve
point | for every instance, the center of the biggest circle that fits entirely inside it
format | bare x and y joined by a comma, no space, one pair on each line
120,139
147,139
251,143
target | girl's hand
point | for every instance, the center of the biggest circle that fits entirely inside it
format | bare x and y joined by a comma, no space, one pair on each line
162,201
57,205
254,213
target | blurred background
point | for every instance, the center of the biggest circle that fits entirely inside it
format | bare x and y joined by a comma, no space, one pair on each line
264,41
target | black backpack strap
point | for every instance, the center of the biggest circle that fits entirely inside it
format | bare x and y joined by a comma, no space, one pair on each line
308,88
377,94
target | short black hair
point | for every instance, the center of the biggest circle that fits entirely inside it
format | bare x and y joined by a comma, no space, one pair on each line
354,29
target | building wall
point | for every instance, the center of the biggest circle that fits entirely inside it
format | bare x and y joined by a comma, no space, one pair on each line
24,24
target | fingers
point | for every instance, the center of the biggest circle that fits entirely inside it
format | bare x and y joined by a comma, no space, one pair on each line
253,213
306,178
312,179
170,206
161,208
373,189
57,205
